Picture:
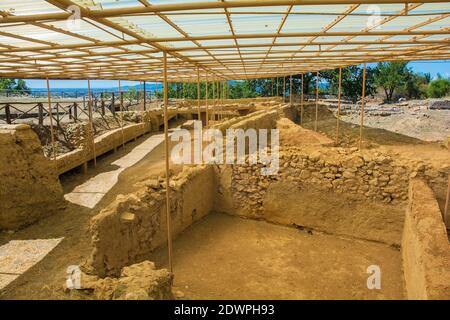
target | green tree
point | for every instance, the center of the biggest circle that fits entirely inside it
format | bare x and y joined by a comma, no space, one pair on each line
22,87
7,84
416,85
352,80
391,76
439,88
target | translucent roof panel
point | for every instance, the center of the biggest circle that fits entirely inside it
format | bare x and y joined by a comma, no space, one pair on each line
231,39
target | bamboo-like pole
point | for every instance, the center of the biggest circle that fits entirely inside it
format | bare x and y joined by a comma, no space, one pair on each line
272,86
121,113
317,101
91,122
339,105
301,104
145,96
206,101
140,91
214,99
50,114
284,89
290,91
198,95
277,88
166,146
363,97
447,206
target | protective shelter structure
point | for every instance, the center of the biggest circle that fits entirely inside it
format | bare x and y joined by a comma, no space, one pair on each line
183,41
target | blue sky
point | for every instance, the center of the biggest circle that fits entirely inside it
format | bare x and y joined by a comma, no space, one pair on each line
433,67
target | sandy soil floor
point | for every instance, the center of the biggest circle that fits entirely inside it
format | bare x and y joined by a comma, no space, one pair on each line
427,125
225,257
46,279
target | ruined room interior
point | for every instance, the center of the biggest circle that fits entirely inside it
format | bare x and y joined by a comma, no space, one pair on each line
89,187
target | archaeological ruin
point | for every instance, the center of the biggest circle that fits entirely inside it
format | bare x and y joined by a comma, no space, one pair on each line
181,183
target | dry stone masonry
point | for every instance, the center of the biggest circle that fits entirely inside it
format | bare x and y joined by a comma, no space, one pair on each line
29,188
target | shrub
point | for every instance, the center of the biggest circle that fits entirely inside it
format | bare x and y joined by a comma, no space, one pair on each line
439,88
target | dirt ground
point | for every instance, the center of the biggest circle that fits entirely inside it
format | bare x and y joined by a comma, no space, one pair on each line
46,279
427,125
227,257
224,257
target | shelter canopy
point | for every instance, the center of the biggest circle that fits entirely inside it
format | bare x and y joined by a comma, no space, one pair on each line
227,39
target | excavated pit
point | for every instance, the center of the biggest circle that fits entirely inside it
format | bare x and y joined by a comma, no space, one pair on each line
313,231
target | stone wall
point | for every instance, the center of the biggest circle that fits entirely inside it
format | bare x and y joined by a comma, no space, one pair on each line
311,182
29,188
425,246
134,224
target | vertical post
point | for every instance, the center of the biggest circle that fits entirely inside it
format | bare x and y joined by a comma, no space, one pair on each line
50,114
102,104
57,114
290,91
447,206
284,89
166,145
206,101
339,105
121,113
317,101
91,122
145,96
301,105
277,88
8,112
214,99
363,97
198,95
40,114
272,85
140,91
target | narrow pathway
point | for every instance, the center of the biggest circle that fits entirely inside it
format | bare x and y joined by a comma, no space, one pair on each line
93,190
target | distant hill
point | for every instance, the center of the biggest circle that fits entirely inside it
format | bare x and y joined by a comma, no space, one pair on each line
71,92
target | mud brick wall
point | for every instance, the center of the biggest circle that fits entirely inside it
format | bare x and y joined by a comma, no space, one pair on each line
134,224
425,246
29,187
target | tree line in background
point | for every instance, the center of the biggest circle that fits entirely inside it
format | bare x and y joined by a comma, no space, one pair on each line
393,79
14,85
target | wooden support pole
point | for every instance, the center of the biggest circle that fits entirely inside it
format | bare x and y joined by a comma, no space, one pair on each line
206,101
198,95
301,104
50,114
214,99
290,91
140,91
145,96
338,116
272,86
284,89
277,88
121,113
447,206
166,145
363,97
91,122
317,101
